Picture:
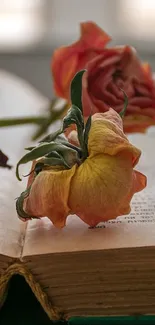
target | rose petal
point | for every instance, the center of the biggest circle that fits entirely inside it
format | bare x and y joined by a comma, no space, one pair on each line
106,136
116,68
141,102
93,36
102,188
66,61
63,72
111,116
49,195
139,181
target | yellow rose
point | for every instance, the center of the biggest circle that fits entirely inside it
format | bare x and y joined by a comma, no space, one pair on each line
100,188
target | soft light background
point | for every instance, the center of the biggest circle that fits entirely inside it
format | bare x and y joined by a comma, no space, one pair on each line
31,29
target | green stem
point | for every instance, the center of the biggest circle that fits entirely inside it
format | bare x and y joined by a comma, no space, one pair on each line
122,113
22,120
55,115
42,121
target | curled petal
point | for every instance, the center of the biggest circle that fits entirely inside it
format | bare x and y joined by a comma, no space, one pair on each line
96,79
63,71
49,195
115,69
139,181
102,188
66,61
131,65
106,136
113,117
147,69
93,36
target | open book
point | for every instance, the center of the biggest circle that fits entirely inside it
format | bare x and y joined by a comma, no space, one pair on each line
109,270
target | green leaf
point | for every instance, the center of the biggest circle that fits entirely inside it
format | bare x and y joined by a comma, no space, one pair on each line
52,154
71,157
29,148
55,162
87,129
57,157
52,136
67,157
60,139
54,115
69,145
43,150
19,205
122,113
74,116
86,134
76,90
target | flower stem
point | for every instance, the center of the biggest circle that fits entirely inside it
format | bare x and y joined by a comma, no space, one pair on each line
22,120
54,116
43,121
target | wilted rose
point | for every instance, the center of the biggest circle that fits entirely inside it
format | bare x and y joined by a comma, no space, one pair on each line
66,61
108,71
116,69
100,188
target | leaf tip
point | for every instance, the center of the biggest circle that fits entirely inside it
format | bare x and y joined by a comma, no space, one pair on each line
123,111
17,172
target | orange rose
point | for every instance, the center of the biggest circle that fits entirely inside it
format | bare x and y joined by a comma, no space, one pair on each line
108,70
98,188
116,69
66,61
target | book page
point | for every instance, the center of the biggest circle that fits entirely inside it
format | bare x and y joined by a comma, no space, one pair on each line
17,98
11,228
134,230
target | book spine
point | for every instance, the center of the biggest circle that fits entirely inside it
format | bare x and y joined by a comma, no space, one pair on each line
52,311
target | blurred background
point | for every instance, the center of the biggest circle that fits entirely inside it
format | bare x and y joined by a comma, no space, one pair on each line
31,29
